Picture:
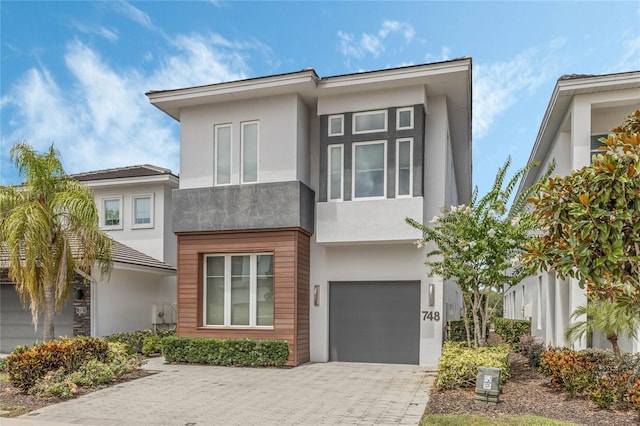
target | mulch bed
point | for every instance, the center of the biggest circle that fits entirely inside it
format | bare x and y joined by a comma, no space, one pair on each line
529,392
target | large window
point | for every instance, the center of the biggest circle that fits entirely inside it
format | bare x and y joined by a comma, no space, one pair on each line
404,169
249,138
369,169
335,172
112,213
238,290
223,154
371,121
142,211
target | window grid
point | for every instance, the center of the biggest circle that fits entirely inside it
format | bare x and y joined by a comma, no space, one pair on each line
248,271
142,211
112,213
366,182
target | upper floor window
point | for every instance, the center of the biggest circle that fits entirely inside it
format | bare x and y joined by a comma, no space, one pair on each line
404,118
336,173
222,150
404,168
249,149
371,121
369,169
112,213
336,125
239,290
142,211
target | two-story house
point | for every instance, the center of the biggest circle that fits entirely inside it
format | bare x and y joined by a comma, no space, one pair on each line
134,208
290,215
582,109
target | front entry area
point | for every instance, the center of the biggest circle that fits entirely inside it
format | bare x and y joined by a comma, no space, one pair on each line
375,321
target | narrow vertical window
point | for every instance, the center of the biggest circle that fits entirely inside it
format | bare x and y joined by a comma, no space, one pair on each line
112,213
404,169
249,152
214,281
369,171
240,289
223,154
264,289
335,172
142,211
404,118
336,125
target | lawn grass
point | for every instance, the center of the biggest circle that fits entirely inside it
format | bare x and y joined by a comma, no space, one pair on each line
477,420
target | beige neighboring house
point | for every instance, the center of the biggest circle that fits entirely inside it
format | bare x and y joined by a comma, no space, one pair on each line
290,214
134,205
582,109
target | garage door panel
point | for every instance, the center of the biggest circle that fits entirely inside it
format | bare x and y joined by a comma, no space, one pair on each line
374,322
16,327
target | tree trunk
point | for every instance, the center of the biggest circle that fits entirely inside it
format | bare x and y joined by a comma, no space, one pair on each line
465,320
49,312
476,321
613,339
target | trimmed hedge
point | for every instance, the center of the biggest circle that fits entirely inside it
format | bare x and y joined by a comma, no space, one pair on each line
237,352
26,365
512,330
458,365
134,340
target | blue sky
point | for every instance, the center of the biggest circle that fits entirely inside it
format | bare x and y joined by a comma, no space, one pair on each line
75,73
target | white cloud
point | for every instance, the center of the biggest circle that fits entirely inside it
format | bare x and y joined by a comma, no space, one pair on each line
630,60
98,30
558,42
374,43
135,14
103,119
496,87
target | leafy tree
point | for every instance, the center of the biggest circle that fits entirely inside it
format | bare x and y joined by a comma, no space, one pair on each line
49,228
591,221
479,245
609,318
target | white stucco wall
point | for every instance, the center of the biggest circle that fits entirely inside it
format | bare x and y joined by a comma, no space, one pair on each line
279,139
124,303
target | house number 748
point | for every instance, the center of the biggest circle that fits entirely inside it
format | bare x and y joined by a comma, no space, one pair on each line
430,315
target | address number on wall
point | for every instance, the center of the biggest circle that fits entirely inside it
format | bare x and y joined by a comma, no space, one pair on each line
431,315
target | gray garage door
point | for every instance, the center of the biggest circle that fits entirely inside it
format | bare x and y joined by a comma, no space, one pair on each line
15,322
374,322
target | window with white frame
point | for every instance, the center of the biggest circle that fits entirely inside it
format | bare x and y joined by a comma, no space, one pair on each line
404,167
239,290
222,150
142,211
249,149
336,172
370,121
112,213
404,118
596,144
369,169
336,125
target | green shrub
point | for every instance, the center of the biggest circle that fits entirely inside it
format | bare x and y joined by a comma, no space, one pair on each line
567,369
238,352
151,345
458,365
26,365
92,373
511,330
532,349
134,340
457,332
3,365
54,383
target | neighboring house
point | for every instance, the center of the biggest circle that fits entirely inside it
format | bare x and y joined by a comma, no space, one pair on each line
291,210
582,109
132,202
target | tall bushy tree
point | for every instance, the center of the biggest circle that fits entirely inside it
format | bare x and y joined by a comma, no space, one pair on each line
49,228
479,245
591,221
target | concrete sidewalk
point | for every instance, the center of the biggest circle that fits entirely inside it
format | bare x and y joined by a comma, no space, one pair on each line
323,393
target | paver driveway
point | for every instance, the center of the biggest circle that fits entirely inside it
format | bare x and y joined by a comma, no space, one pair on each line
323,393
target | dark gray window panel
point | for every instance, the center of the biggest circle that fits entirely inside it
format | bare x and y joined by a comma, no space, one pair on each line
417,133
238,207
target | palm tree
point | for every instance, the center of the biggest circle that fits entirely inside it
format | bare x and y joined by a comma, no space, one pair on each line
611,319
49,229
